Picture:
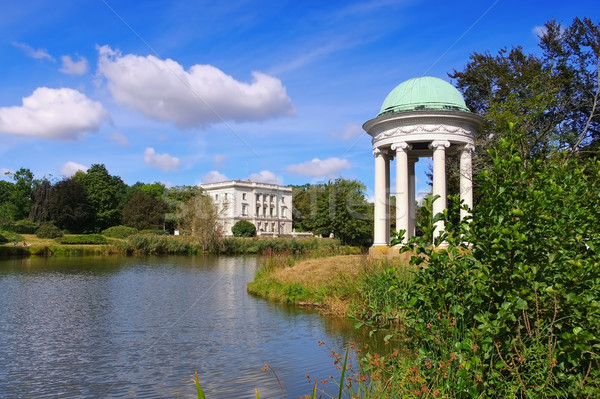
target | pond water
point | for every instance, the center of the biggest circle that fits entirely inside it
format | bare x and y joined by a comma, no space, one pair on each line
120,327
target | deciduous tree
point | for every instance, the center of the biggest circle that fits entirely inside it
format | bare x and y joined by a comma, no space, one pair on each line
144,212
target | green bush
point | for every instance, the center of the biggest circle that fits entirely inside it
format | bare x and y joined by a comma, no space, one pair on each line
119,231
84,239
24,226
243,228
159,245
48,230
9,236
518,313
156,232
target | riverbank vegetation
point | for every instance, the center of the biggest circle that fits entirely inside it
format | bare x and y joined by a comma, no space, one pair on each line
154,243
509,306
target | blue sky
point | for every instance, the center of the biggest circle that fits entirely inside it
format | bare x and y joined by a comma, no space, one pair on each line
189,92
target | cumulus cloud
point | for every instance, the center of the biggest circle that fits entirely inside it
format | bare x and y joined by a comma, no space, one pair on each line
214,177
164,162
38,54
70,168
71,67
320,168
265,176
163,90
54,114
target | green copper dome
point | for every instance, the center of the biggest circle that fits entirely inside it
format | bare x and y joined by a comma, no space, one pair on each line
424,93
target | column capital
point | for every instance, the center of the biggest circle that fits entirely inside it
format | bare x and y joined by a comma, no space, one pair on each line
439,144
378,151
467,147
402,146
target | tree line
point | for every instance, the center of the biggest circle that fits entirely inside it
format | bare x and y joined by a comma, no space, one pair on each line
92,201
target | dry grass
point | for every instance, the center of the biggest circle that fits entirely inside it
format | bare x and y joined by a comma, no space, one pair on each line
320,272
335,274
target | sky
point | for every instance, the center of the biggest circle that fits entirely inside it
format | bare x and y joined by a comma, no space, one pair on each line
187,92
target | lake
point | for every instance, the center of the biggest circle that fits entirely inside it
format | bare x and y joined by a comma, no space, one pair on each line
121,327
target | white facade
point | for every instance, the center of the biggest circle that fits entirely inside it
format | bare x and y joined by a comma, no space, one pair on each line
267,206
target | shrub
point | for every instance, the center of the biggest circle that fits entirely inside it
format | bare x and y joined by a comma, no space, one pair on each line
119,231
9,236
243,228
156,232
48,230
24,226
84,239
518,315
158,245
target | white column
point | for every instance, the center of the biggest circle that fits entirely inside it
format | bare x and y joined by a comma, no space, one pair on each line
439,182
412,209
466,179
381,181
387,158
402,190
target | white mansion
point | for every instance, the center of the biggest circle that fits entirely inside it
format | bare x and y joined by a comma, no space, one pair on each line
267,206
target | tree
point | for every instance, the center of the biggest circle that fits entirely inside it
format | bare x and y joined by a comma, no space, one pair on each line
199,217
7,208
339,208
551,101
243,228
144,212
21,193
105,193
177,198
69,208
40,197
304,205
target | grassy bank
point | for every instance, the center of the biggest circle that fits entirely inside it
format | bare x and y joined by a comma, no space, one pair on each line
154,244
338,285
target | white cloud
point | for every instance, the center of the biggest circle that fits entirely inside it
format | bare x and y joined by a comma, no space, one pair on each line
38,54
164,162
164,91
71,67
70,168
54,114
214,177
320,168
538,30
266,176
119,138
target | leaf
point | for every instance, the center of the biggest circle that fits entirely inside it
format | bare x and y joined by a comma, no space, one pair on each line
201,392
343,373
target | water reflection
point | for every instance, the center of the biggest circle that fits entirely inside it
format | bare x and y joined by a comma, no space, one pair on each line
119,327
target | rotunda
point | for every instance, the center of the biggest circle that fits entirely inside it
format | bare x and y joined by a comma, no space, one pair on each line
421,117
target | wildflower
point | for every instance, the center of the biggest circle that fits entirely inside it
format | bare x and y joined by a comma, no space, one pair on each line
265,368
